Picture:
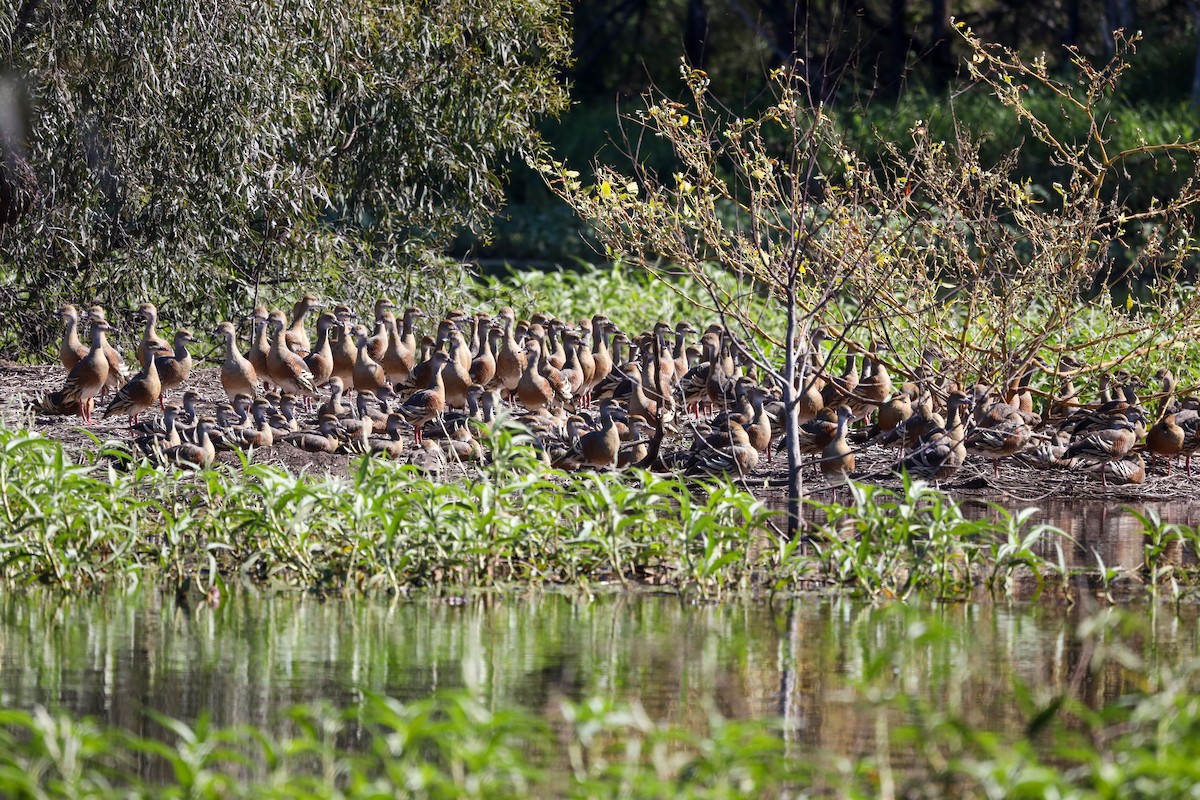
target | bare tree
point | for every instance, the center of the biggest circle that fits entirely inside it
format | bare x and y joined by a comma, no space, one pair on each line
787,227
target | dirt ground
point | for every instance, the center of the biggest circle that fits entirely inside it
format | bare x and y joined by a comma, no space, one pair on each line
1017,485
19,383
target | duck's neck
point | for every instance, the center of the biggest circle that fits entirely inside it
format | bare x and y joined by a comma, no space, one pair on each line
71,334
299,312
598,343
322,338
572,356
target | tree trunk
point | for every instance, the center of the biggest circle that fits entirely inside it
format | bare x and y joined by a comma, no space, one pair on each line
1194,7
940,53
898,44
695,33
791,403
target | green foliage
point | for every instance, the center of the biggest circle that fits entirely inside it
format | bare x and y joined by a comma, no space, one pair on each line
188,156
447,746
632,298
917,541
387,528
390,528
913,690
1128,122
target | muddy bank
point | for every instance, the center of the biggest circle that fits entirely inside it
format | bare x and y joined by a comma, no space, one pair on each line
1017,486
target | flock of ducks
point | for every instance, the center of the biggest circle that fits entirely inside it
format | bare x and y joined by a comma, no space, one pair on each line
593,396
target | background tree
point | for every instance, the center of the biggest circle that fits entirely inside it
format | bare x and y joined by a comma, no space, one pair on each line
879,63
194,154
788,226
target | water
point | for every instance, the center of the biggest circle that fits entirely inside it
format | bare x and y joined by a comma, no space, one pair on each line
802,660
1105,529
1093,527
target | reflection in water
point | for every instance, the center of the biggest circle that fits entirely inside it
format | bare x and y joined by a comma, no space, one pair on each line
1110,530
803,659
1093,527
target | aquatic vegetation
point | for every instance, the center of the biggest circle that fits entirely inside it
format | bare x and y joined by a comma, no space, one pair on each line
891,544
387,527
910,685
390,528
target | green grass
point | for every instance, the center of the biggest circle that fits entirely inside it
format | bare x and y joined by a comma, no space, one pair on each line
636,300
631,297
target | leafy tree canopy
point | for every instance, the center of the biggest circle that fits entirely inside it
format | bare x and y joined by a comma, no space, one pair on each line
192,153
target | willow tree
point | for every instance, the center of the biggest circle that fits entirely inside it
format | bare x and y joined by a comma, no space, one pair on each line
779,218
193,153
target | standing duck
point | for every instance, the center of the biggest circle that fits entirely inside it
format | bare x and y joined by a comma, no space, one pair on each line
1067,402
483,365
1166,439
428,403
89,376
840,389
116,364
722,376
456,374
533,390
237,373
296,337
383,331
150,337
511,360
260,345
679,351
141,392
343,347
175,366
320,360
837,459
874,387
369,375
399,358
286,369
71,350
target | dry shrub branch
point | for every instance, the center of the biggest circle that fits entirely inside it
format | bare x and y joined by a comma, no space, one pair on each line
787,227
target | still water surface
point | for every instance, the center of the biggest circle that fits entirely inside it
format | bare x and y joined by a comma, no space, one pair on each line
802,660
